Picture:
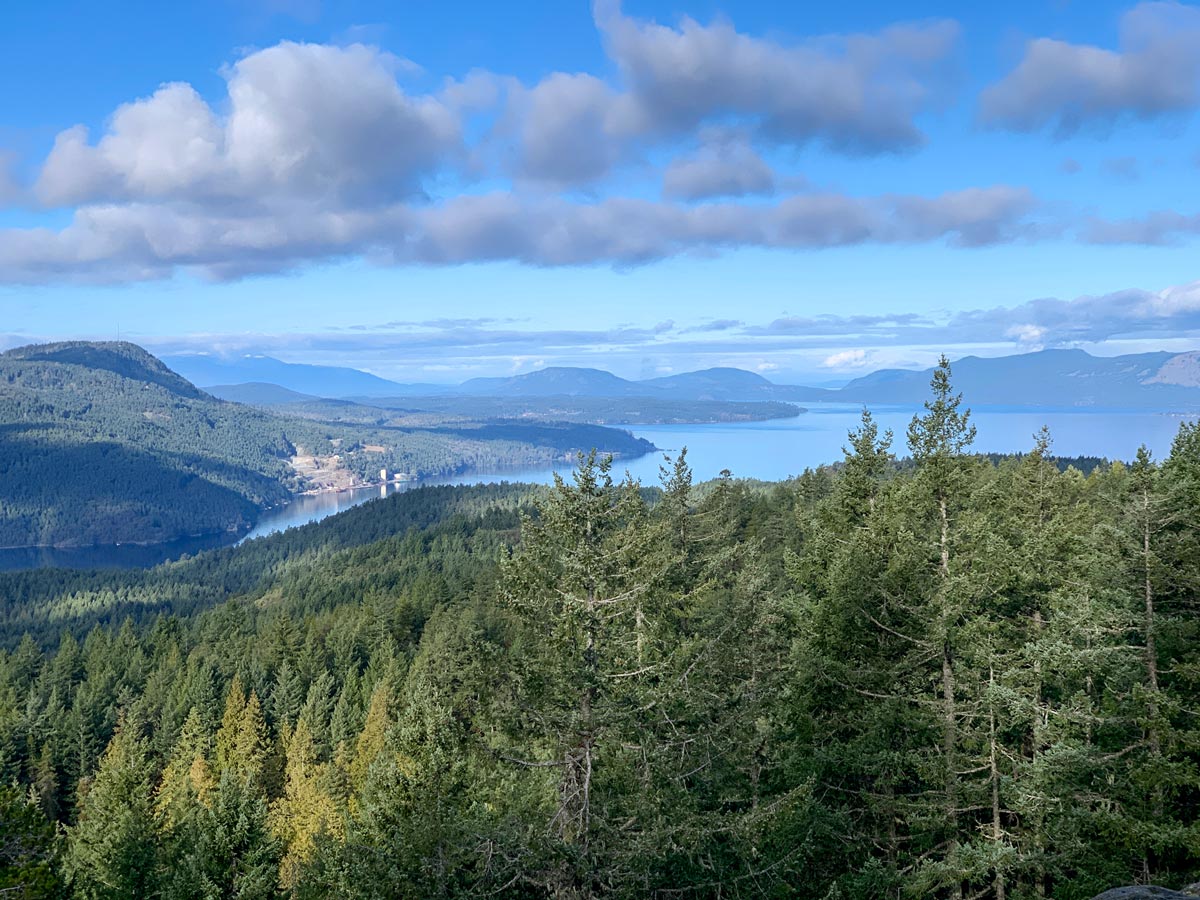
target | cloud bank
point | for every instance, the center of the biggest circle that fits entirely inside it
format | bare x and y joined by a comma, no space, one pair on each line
839,342
320,152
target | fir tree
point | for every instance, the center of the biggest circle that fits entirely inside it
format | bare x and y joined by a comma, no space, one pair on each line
112,852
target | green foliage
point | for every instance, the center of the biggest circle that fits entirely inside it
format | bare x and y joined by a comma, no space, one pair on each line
102,444
112,851
29,849
223,849
950,676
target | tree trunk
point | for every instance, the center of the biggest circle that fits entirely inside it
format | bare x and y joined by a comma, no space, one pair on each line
1151,649
949,706
1037,838
993,765
1150,626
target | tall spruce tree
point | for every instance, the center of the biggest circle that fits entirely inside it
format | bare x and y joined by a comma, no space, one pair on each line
112,852
580,586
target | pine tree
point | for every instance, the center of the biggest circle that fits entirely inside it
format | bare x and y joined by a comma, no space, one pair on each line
112,852
251,746
306,810
414,830
187,779
865,464
288,695
580,586
29,849
937,441
373,737
226,740
224,850
346,718
889,624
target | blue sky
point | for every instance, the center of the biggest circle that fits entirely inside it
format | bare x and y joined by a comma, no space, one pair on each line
437,191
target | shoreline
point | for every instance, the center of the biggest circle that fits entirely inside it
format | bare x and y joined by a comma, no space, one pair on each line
174,540
238,534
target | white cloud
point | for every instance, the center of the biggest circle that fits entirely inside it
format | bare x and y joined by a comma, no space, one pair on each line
146,240
1156,71
857,93
725,166
305,122
1026,334
846,359
320,152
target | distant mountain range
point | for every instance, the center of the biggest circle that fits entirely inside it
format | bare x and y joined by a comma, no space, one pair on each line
1048,378
317,381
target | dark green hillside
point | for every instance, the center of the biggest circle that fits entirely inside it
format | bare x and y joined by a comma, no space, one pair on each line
121,358
102,444
44,602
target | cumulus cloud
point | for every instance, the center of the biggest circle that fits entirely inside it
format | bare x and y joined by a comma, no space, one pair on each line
724,167
857,93
571,129
631,231
1155,71
321,152
305,122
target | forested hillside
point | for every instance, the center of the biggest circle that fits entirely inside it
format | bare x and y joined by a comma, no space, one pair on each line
952,677
103,444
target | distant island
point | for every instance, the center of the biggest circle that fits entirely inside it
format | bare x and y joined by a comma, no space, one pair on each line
1059,379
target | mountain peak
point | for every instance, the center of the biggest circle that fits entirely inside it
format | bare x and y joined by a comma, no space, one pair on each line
725,375
554,380
119,357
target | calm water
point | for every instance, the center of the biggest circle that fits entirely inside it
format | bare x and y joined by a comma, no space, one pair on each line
767,450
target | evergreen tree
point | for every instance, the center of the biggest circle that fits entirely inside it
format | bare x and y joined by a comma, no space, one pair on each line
373,737
224,850
581,588
112,852
29,849
187,779
288,695
306,810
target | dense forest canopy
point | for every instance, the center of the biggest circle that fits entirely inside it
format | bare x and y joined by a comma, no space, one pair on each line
953,676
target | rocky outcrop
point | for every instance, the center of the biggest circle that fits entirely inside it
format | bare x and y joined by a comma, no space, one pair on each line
1149,892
